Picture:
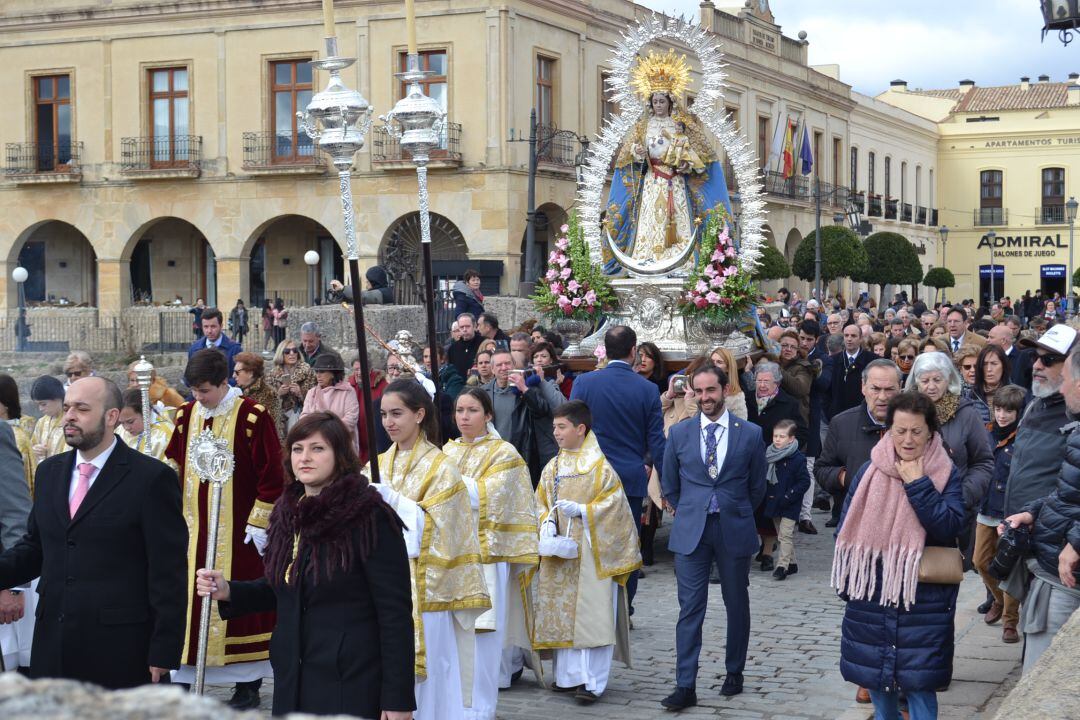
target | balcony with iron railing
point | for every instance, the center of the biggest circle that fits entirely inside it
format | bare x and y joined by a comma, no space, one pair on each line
43,163
905,212
933,217
556,147
873,208
920,215
801,187
386,151
990,216
268,153
1050,215
169,156
890,209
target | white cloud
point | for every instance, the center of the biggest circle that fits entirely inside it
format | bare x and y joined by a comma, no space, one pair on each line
929,43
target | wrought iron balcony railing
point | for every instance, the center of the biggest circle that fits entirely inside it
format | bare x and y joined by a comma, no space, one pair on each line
990,216
162,153
920,215
1050,215
385,148
890,209
905,212
555,146
269,150
41,158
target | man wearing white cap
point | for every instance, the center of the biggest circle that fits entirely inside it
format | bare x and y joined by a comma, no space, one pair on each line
1040,444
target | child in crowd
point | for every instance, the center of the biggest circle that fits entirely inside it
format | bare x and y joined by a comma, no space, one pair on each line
788,481
578,598
1008,404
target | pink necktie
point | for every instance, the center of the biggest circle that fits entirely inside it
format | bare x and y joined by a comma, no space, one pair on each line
81,487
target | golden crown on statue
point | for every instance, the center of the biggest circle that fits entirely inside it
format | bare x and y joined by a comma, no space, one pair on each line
661,73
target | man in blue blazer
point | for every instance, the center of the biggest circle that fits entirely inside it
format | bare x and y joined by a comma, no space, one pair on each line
713,477
215,339
627,421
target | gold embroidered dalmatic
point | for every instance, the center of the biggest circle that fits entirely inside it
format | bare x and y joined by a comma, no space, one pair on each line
571,599
24,443
49,431
447,575
161,431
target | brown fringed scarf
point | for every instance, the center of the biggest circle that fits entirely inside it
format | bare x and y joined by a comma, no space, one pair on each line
881,525
325,524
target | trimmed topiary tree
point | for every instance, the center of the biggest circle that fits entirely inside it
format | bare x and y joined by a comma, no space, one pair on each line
891,260
939,278
772,265
842,255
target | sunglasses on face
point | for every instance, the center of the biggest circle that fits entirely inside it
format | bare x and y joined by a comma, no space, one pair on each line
906,357
1049,359
290,351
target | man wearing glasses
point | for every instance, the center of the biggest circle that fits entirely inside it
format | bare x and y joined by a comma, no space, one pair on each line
1040,445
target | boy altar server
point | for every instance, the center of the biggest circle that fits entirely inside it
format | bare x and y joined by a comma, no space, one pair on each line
579,610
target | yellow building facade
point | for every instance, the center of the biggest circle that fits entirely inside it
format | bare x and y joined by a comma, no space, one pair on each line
152,154
1006,156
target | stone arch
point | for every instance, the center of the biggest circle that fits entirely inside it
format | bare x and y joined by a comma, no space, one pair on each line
400,253
168,258
549,218
60,260
276,267
791,244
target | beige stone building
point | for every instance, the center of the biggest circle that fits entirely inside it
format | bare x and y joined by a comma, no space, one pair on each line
1006,156
152,151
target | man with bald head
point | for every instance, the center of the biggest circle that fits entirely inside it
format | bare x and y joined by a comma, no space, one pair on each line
107,537
1002,335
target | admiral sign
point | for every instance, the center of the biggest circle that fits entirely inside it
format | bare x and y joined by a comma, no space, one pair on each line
1024,245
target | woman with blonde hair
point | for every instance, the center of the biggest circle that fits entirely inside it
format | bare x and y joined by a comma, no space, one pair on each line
875,344
291,378
734,399
965,359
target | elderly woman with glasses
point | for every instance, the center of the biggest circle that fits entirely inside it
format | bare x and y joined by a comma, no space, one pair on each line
291,378
962,428
906,352
249,373
77,365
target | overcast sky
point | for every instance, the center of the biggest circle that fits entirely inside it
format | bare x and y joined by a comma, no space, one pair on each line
929,43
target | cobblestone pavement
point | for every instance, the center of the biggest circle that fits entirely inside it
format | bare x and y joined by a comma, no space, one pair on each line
793,665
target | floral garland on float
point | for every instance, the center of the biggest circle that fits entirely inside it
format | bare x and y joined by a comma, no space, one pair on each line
719,293
574,293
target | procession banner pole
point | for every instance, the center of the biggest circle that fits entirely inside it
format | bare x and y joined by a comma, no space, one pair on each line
337,119
213,463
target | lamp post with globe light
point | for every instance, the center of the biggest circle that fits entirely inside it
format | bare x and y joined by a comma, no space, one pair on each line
312,259
19,275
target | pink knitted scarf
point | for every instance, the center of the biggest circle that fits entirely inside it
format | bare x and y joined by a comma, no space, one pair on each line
881,525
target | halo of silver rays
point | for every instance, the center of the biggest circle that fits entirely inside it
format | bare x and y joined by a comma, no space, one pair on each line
742,157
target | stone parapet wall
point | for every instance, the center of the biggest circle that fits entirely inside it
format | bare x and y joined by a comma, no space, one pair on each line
1050,689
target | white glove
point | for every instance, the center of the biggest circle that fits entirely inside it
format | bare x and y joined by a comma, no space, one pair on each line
548,529
474,492
571,508
411,515
257,536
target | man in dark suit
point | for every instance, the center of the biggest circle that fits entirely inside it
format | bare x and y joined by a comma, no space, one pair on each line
215,338
627,420
107,536
713,478
846,383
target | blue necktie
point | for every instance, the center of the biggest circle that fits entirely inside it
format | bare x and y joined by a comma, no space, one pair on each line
710,461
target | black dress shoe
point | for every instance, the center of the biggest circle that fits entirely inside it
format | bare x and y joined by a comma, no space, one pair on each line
517,675
246,696
767,563
985,607
780,573
792,568
805,526
681,699
821,503
585,697
732,685
714,575
830,523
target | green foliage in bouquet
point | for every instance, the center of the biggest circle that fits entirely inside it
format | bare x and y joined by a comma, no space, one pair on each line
573,287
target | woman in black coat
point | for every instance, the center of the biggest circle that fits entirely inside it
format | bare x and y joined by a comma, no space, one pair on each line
337,575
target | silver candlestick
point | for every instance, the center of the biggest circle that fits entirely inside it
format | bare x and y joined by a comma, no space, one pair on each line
337,119
213,463
417,121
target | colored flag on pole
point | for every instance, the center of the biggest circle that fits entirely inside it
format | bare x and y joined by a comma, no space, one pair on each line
806,154
789,153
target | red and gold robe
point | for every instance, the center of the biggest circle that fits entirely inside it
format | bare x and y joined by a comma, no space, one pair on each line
246,499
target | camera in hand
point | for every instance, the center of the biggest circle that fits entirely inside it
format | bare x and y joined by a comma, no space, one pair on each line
1013,544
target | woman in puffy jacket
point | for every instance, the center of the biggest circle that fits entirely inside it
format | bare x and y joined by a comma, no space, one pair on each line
897,633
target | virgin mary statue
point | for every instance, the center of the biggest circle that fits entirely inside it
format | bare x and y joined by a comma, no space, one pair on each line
667,179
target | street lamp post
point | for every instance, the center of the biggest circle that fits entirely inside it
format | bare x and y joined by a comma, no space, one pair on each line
944,232
991,236
1070,214
19,275
337,120
312,259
